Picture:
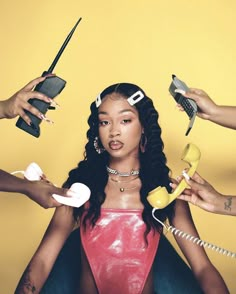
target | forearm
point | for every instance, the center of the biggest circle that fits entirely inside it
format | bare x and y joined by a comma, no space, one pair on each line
226,205
225,116
211,281
2,113
44,258
32,281
10,183
206,274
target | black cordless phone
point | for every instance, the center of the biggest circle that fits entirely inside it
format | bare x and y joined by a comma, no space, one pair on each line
189,105
51,87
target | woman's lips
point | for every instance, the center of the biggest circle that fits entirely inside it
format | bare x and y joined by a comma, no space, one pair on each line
115,145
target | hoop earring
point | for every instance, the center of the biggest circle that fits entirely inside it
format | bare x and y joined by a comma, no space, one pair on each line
143,143
98,149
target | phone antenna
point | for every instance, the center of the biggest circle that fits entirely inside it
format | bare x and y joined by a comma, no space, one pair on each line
51,68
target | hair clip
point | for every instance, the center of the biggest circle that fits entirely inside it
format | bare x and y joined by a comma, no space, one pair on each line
135,98
98,101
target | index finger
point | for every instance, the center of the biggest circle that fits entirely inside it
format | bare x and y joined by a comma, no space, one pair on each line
33,83
36,81
195,94
197,178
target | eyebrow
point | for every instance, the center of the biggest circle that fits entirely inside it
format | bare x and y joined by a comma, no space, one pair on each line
120,112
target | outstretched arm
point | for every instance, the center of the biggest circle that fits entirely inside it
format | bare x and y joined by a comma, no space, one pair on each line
203,195
209,110
42,262
206,274
39,191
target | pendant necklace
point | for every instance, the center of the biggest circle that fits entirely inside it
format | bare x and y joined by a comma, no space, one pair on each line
123,174
122,189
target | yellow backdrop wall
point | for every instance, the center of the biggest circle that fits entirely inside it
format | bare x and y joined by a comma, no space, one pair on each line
137,41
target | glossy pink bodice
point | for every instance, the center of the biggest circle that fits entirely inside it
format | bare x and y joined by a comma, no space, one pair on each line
118,255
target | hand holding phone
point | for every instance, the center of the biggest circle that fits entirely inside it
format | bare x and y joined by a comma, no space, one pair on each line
51,87
79,192
159,198
189,105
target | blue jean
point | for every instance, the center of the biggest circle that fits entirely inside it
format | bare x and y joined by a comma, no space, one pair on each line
171,274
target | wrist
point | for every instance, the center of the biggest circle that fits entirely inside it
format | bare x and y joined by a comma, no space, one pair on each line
2,113
226,205
27,187
215,113
23,186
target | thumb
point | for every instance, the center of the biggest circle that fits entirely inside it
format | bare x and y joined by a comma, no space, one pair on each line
195,185
63,192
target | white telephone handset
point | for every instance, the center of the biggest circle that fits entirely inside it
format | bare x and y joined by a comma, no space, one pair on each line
81,193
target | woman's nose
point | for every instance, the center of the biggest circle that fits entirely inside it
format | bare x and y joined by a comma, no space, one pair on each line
114,131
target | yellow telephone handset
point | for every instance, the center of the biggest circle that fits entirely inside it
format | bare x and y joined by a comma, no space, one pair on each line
159,197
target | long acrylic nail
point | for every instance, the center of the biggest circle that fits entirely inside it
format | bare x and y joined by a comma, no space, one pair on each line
54,104
186,176
43,117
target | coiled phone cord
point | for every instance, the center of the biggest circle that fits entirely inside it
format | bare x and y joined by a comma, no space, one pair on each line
193,239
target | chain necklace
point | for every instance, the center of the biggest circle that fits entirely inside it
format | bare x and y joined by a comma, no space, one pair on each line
122,189
119,181
122,174
126,189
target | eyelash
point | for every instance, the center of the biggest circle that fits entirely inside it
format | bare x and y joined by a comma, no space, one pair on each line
105,122
125,121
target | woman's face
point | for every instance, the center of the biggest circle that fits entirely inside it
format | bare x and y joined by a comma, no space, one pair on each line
119,126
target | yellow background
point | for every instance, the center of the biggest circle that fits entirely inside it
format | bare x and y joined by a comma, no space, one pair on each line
137,41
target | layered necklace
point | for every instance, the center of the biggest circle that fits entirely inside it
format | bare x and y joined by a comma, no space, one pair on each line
123,174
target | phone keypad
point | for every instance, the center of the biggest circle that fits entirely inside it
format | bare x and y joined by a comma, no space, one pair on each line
187,106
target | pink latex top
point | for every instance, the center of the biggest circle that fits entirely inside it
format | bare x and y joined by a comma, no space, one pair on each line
119,258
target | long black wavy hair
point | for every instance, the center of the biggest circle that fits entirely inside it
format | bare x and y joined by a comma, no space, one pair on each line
154,171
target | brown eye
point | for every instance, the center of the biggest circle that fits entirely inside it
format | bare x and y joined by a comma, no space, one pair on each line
126,121
103,123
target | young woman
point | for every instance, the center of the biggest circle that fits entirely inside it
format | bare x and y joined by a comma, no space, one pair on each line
123,162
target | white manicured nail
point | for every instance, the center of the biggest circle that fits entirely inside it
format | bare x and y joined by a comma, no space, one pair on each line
186,176
180,91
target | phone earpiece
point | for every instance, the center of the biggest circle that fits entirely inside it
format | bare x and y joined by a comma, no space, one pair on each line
33,172
191,155
159,197
80,193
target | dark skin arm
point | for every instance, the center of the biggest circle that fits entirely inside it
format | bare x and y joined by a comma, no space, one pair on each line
39,191
42,261
206,274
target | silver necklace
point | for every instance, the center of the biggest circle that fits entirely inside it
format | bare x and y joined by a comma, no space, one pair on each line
122,174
